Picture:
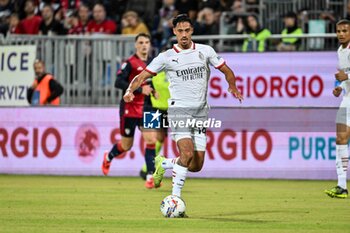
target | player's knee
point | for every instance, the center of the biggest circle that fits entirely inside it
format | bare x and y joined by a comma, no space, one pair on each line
126,146
341,140
151,141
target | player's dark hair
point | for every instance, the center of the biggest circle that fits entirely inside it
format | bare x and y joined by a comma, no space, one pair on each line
343,21
182,18
142,35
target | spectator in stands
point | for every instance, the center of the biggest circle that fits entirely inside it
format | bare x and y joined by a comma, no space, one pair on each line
236,22
237,6
225,4
6,9
213,4
189,7
49,25
77,22
348,11
45,90
66,7
258,35
116,9
55,4
71,23
205,23
146,9
19,8
235,25
100,24
132,24
252,6
163,28
290,28
14,24
30,24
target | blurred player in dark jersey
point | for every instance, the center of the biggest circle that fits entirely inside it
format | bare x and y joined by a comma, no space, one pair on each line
131,114
160,84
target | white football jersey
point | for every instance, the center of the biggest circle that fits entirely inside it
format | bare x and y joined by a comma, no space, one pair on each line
188,73
344,64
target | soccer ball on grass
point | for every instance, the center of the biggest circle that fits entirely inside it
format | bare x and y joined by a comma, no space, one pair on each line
173,207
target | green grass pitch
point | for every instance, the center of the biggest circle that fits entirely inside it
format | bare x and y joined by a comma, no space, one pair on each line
118,204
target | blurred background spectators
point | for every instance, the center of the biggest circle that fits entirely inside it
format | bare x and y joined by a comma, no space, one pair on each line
210,17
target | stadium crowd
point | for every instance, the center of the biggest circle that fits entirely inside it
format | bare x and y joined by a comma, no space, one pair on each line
130,17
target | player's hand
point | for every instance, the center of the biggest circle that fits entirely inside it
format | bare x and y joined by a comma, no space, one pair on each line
147,89
341,76
337,91
155,94
129,96
236,93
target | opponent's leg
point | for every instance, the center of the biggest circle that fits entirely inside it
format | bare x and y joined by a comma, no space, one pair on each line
127,130
121,146
150,137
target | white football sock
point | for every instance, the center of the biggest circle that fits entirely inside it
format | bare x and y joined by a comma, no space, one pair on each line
179,177
149,177
342,159
169,163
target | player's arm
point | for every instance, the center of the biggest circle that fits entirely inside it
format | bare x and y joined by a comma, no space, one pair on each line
122,80
341,76
231,80
135,84
337,90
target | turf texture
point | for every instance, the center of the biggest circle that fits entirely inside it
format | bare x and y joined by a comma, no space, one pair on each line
122,204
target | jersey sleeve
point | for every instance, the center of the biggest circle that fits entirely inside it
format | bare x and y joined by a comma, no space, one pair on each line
122,81
343,84
156,65
214,59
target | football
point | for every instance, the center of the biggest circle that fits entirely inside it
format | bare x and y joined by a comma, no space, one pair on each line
173,207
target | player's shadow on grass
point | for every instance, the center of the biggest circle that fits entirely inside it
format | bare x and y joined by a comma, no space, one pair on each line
234,216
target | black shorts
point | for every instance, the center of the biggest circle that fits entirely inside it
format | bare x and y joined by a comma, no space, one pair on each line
128,124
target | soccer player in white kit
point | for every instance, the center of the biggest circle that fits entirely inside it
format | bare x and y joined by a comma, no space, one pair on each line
187,68
343,114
